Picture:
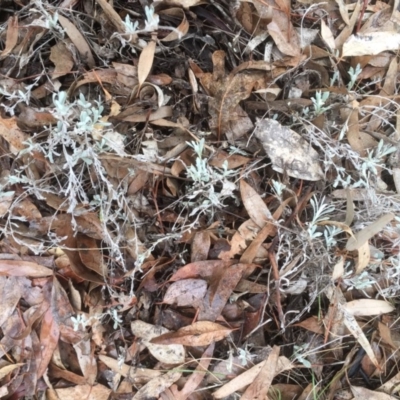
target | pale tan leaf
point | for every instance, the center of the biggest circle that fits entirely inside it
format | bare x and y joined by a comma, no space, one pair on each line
87,360
78,40
200,246
371,43
361,237
23,268
10,294
364,257
135,375
327,35
87,392
290,48
186,292
357,332
348,29
112,15
62,58
12,134
258,389
6,199
167,353
247,377
182,3
254,204
156,386
338,269
146,61
288,151
343,12
368,307
4,371
361,393
201,333
12,37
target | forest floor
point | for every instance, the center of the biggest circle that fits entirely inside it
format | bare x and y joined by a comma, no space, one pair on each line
199,199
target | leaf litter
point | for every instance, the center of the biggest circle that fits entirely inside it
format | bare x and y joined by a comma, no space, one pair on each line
199,199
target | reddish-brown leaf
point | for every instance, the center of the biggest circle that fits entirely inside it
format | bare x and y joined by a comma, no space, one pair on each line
49,335
23,268
200,246
203,269
219,292
201,333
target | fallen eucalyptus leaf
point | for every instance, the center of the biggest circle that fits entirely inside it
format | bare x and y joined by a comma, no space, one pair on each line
288,151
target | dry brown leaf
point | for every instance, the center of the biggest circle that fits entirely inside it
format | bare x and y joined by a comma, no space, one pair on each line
289,47
165,352
361,393
90,254
258,389
135,375
112,15
181,30
12,134
87,360
227,117
335,295
361,237
348,29
10,293
288,151
247,377
186,293
201,333
203,269
146,62
246,233
78,40
62,58
312,324
343,11
12,37
200,246
381,113
6,200
197,376
219,292
87,392
156,386
233,160
49,335
364,257
23,268
254,204
251,287
65,231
